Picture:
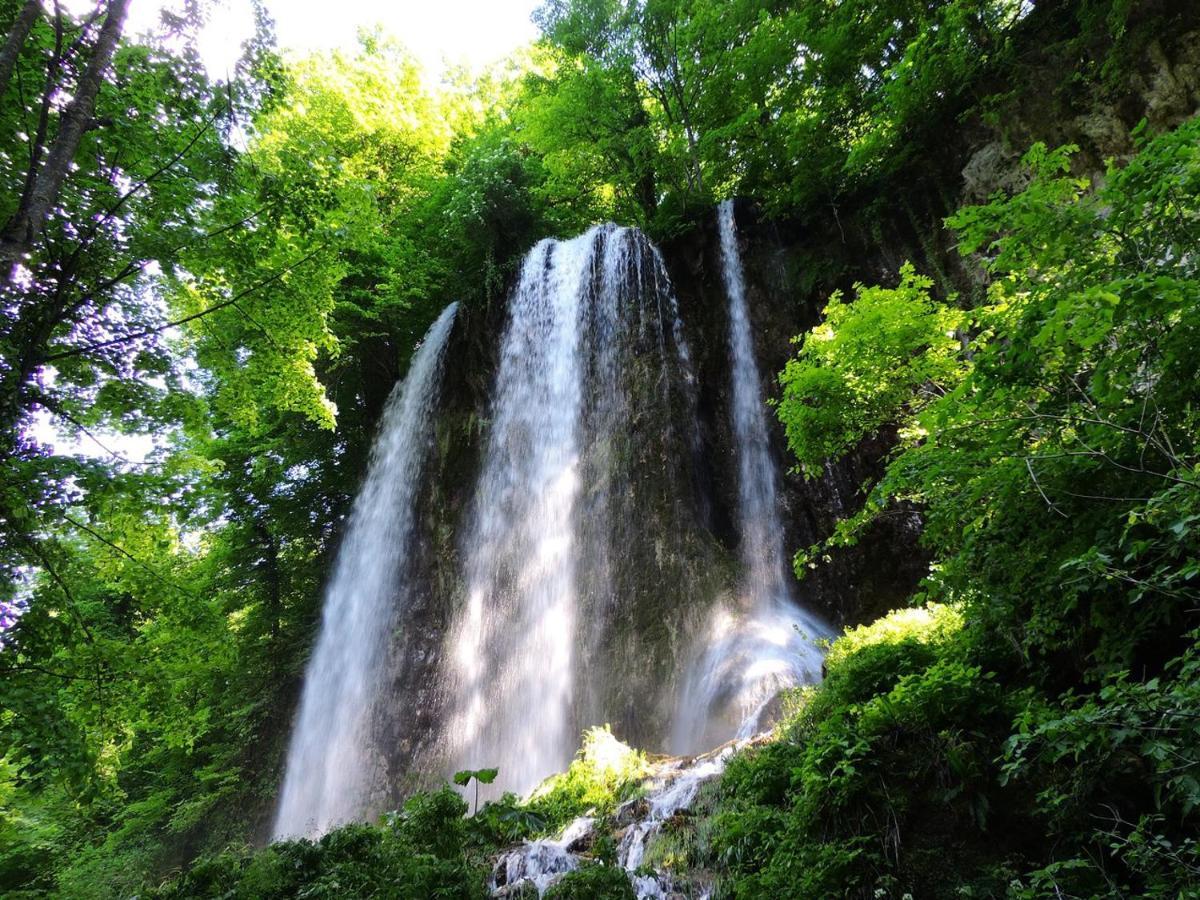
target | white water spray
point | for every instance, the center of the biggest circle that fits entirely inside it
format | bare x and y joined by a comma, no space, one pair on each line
514,644
671,789
333,772
593,341
767,642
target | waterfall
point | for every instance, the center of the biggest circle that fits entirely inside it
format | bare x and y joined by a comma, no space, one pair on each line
513,647
582,582
767,582
641,443
767,642
593,341
333,769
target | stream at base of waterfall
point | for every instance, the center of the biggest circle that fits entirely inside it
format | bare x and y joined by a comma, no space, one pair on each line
667,800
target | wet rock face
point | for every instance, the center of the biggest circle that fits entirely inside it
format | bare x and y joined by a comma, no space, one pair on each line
996,167
1161,87
1169,80
417,690
880,572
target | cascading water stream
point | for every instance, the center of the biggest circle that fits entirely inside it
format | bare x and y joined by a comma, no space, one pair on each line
585,563
667,795
593,338
758,506
514,644
768,642
332,774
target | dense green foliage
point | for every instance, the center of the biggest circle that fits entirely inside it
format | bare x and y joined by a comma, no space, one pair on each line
794,103
233,274
419,852
861,369
1055,457
430,848
872,785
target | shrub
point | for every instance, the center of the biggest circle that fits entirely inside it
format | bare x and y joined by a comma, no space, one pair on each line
881,781
596,882
418,853
605,773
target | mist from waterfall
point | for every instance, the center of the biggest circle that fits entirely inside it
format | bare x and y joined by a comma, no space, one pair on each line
334,771
765,642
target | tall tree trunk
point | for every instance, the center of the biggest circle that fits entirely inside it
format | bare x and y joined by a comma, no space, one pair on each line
271,575
22,231
646,189
11,50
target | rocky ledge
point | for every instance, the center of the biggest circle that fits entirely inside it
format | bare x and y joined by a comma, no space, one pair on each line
664,806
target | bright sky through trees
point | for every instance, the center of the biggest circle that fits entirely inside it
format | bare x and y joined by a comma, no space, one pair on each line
474,32
441,33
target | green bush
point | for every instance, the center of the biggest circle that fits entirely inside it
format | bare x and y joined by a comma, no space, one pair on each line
605,773
595,882
433,822
879,780
419,852
870,659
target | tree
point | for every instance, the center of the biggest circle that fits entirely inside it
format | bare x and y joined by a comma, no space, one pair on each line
44,180
18,31
790,103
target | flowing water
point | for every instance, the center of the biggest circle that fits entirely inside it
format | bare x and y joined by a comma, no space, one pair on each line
641,498
514,645
766,641
333,770
671,790
541,580
582,585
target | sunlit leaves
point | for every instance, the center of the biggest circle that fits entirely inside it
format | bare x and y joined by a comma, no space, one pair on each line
871,361
1058,480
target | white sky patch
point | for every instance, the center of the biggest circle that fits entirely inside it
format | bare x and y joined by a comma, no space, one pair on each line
440,33
64,439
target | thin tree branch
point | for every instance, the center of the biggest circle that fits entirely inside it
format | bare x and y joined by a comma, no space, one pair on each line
157,329
125,553
108,214
1037,484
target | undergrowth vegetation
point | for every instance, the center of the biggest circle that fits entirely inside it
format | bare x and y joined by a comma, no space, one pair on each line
432,847
1038,736
594,882
604,774
873,783
420,851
